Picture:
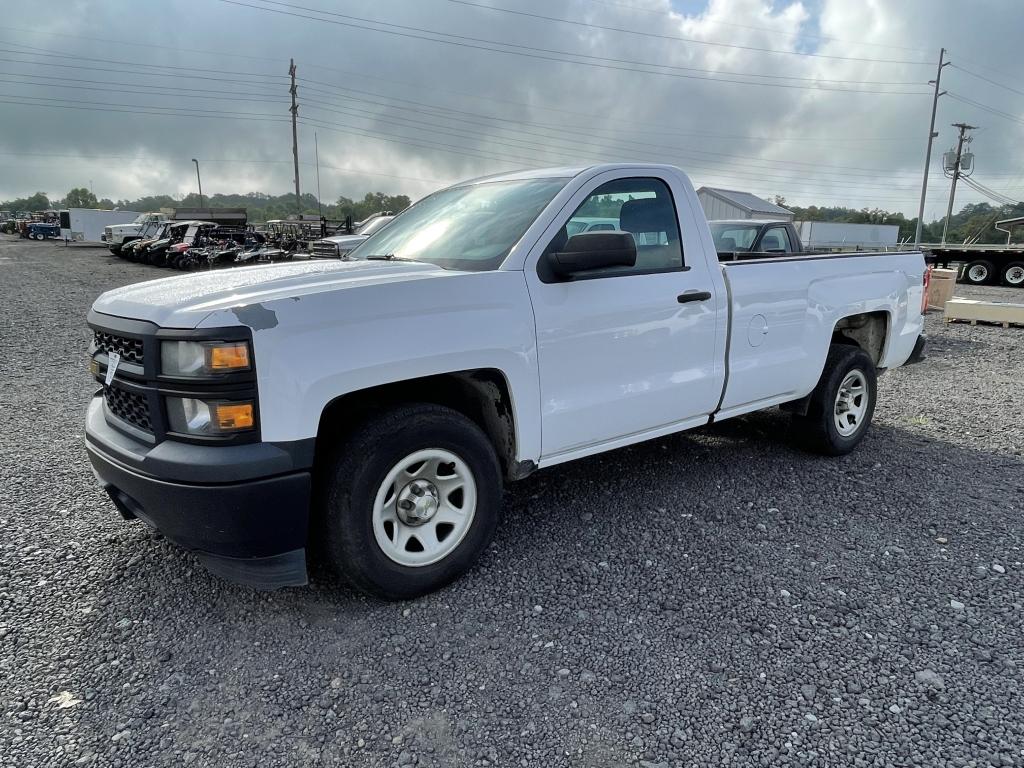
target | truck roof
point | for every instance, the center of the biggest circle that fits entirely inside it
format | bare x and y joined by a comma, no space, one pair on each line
567,172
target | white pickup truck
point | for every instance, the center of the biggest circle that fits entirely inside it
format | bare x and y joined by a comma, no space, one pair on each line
116,235
371,409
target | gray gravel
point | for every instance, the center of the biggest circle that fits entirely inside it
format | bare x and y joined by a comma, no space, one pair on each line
715,598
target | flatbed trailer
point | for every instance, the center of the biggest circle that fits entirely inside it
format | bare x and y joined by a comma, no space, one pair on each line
980,264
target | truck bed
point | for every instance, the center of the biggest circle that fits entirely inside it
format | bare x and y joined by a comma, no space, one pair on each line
784,309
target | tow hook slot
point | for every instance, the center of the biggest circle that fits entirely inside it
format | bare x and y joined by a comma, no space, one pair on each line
126,505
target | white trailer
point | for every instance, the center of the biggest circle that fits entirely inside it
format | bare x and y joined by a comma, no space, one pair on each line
838,235
85,225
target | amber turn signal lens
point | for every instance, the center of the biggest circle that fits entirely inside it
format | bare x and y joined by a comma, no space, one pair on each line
228,357
230,416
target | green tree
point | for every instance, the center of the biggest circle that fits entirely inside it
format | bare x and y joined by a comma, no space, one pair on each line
80,197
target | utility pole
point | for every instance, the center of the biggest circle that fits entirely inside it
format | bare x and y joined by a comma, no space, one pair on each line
928,152
964,127
295,135
316,150
199,182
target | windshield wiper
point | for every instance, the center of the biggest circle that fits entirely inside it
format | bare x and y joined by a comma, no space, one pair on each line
386,257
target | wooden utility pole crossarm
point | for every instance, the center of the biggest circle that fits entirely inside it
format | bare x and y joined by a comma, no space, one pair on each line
295,134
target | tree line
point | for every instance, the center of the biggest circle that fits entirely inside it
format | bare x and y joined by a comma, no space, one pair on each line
975,221
261,207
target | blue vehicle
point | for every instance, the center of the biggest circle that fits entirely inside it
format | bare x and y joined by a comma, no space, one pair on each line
39,230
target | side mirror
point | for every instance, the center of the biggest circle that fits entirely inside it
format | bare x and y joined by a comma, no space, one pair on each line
593,250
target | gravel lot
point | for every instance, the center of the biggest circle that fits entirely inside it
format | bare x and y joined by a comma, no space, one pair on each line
714,598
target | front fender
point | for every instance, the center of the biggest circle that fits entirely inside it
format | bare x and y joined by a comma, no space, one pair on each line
311,349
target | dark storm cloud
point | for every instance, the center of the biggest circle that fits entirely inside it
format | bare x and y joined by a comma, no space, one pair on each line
824,146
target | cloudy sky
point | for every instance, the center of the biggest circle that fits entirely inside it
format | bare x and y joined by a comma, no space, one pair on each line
821,101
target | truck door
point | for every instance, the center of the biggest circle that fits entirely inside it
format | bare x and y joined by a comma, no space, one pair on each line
625,352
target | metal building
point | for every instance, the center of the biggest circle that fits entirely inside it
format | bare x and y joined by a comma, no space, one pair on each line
731,204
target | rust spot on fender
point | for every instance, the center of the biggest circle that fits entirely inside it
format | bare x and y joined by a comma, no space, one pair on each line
256,316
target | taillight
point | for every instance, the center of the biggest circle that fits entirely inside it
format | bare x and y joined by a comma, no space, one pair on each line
179,248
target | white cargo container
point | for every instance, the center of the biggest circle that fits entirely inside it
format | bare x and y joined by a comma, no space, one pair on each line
85,225
817,235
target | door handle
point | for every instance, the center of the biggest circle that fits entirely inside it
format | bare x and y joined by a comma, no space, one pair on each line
685,298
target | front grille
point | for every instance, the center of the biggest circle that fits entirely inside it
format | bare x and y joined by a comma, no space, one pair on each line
325,249
128,406
130,350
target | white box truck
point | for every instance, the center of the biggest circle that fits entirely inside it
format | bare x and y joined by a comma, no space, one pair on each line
87,225
841,235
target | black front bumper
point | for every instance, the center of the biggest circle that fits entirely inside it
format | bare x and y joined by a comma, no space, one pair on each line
243,509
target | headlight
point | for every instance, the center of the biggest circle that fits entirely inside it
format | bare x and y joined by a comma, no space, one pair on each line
204,358
190,416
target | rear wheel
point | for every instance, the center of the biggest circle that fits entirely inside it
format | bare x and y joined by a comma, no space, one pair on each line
410,501
1013,274
841,406
979,272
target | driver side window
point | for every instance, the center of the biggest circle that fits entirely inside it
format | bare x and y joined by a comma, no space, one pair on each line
641,206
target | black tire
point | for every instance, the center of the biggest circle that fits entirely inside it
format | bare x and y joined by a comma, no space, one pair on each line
979,272
817,429
356,469
1013,274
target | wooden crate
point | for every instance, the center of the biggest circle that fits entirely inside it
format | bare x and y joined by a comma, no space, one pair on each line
941,287
974,312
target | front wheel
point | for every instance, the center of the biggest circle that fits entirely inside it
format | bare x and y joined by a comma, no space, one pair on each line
841,406
410,501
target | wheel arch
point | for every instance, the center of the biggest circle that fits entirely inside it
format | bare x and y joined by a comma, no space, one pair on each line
867,330
483,395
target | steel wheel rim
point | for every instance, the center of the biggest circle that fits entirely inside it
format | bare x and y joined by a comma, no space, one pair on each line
978,273
1015,275
442,491
851,403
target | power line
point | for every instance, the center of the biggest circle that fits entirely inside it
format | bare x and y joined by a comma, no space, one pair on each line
993,110
375,133
986,79
181,110
609,143
535,52
574,132
143,111
131,72
998,197
693,40
33,51
218,95
122,42
643,127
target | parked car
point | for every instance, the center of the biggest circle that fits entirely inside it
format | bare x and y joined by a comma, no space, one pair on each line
738,236
340,245
372,408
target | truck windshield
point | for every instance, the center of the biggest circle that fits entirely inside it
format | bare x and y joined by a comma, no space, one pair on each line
373,225
472,227
730,236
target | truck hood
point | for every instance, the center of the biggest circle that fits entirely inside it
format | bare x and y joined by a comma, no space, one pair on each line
349,241
183,302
